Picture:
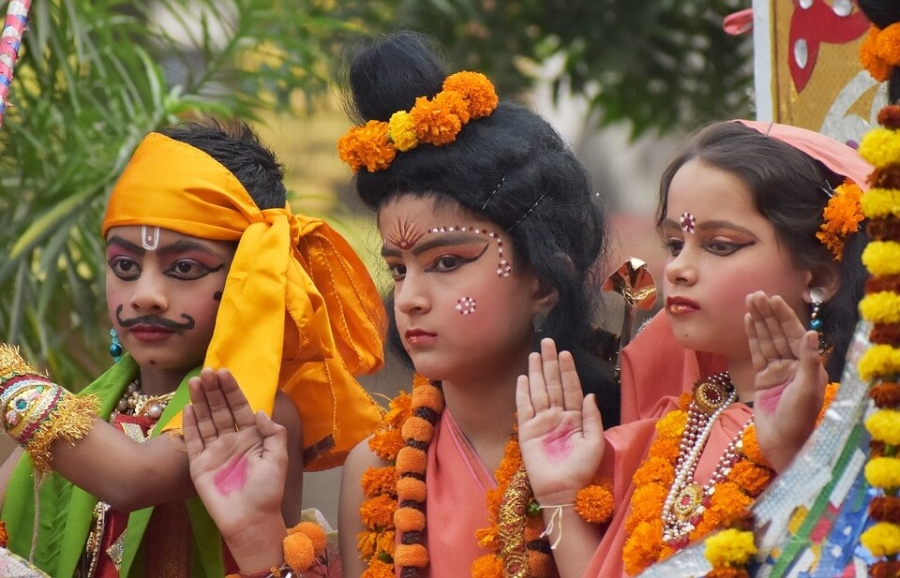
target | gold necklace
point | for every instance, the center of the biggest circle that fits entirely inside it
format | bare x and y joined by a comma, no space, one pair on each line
133,402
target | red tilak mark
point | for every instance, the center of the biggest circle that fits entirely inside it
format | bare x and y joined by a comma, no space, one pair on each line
556,444
768,399
232,476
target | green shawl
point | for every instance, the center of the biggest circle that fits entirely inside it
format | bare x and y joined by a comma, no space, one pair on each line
66,511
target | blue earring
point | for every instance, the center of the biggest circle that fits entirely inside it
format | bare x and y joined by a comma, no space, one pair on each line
816,296
115,346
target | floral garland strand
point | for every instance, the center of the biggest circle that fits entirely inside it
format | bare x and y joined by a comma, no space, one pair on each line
395,496
464,96
881,362
743,483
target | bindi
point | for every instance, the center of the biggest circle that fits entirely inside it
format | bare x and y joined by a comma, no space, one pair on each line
404,234
233,476
465,305
687,222
149,237
556,444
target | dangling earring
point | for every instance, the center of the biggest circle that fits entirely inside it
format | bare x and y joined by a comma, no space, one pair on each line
538,322
816,296
115,346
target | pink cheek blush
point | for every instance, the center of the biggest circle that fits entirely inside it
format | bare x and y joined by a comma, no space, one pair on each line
232,476
768,399
556,444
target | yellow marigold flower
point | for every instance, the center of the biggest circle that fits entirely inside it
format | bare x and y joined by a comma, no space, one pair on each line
365,544
868,57
385,542
882,258
878,203
882,539
672,424
476,89
367,146
881,307
881,147
884,425
883,473
887,44
436,121
879,360
403,131
487,566
378,569
730,548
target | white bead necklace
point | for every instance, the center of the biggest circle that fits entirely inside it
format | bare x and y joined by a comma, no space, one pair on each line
685,503
133,402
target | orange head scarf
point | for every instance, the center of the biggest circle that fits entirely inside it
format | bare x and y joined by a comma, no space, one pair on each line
298,312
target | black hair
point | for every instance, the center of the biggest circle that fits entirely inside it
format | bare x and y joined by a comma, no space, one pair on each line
790,189
511,168
237,147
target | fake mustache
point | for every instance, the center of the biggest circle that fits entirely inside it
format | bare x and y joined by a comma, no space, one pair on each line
153,320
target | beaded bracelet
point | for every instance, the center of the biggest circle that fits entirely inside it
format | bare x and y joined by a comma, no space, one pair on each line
36,412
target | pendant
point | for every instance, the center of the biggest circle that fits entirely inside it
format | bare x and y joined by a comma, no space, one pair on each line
712,394
687,501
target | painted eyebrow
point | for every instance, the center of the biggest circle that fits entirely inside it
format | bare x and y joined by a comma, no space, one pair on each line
442,241
180,246
709,226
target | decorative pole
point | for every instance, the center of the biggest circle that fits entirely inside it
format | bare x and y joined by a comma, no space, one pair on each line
10,41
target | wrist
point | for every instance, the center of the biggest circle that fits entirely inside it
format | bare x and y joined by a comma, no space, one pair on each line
258,547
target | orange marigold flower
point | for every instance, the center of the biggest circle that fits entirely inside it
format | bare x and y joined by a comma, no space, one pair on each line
728,572
385,541
366,544
411,555
672,424
869,58
378,512
752,478
436,121
887,44
729,498
314,532
488,537
665,448
476,89
367,146
386,444
842,216
643,546
751,447
594,504
379,481
378,569
4,536
299,552
886,394
399,409
487,566
655,470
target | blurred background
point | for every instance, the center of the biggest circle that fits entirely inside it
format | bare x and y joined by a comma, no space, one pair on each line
622,80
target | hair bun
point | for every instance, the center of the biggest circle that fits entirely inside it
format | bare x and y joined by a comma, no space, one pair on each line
389,75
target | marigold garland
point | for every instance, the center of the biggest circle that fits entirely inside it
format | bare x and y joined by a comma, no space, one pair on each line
645,545
395,495
882,258
437,121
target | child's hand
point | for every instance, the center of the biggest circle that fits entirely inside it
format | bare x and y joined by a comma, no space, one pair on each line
238,464
560,431
790,379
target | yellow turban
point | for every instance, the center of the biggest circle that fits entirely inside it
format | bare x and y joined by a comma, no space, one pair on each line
299,311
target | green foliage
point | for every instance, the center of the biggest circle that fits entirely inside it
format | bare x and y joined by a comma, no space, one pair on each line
660,64
92,80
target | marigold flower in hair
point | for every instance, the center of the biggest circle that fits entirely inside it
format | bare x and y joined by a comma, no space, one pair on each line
437,121
842,217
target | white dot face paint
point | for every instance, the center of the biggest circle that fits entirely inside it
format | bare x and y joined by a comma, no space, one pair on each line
149,237
465,306
687,222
